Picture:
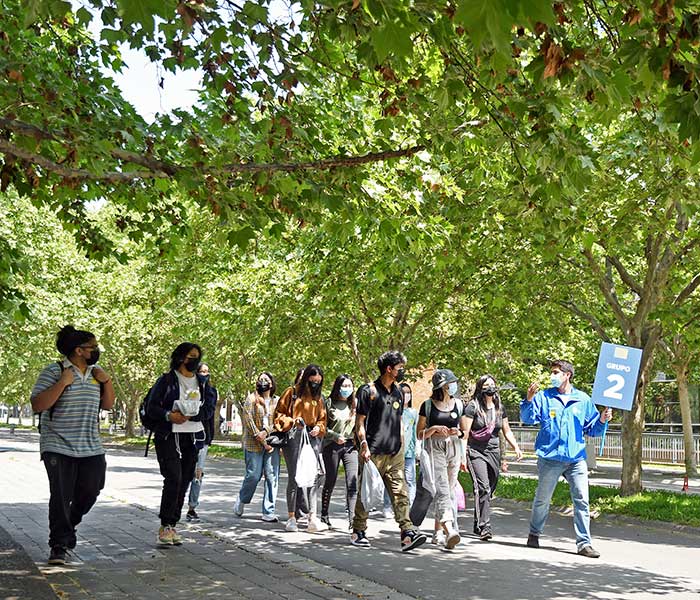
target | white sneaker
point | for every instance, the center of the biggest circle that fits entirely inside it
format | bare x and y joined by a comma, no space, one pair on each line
238,508
270,518
388,513
291,525
438,538
315,526
453,538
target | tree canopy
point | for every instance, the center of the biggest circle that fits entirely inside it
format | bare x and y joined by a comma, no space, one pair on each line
484,183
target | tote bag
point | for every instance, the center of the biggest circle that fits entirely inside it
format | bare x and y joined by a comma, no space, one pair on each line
307,463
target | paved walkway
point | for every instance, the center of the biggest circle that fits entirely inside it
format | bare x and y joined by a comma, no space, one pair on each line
245,558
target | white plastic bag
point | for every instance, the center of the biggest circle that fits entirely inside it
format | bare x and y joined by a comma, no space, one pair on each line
372,487
427,469
307,463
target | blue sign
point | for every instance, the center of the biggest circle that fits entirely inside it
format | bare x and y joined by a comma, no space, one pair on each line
616,376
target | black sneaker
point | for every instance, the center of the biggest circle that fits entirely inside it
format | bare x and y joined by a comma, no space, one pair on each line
358,538
327,520
57,556
589,552
533,541
192,515
485,535
411,539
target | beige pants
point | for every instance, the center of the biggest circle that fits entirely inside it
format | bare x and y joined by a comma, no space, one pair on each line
391,469
446,456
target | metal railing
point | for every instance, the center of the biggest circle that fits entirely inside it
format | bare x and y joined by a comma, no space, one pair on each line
656,447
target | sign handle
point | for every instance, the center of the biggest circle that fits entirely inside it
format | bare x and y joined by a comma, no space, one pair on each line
602,438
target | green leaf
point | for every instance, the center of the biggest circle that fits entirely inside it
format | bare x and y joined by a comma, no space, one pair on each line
144,12
84,16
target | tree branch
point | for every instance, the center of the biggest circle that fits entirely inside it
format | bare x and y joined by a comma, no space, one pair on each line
625,275
159,170
595,323
687,291
604,284
76,174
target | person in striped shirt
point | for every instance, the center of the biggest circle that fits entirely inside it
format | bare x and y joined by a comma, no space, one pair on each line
69,395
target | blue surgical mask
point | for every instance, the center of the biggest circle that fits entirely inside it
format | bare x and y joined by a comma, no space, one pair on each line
452,388
556,379
345,392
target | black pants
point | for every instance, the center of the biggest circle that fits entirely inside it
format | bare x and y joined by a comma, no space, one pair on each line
332,455
484,473
74,484
177,458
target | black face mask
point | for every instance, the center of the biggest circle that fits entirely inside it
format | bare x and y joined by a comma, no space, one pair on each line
205,378
314,387
400,374
191,364
94,357
489,391
262,386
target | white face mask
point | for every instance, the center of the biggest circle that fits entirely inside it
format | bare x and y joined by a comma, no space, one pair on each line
452,388
557,379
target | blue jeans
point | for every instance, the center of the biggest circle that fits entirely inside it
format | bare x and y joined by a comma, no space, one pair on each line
576,474
196,483
258,464
409,473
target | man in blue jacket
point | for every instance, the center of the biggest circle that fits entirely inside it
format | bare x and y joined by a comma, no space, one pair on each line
565,415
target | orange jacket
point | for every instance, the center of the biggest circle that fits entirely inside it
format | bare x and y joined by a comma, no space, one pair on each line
311,410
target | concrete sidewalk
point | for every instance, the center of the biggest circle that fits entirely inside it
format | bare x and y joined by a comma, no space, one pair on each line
246,558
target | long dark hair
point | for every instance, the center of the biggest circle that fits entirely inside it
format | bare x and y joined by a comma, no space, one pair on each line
180,354
303,385
273,387
478,395
335,392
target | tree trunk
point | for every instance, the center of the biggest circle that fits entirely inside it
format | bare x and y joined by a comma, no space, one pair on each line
217,416
633,420
129,429
681,372
632,428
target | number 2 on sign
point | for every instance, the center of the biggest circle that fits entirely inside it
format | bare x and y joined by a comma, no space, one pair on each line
618,382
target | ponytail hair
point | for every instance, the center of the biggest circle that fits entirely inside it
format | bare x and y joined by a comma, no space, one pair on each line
69,338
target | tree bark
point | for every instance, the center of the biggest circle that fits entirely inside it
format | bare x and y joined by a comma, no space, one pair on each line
217,416
680,369
633,420
130,419
632,429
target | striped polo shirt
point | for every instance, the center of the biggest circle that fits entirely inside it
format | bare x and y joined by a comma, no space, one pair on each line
73,428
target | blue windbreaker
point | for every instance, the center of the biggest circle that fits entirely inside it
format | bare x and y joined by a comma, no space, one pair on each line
561,435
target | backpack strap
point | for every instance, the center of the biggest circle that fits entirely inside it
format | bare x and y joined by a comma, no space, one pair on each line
60,366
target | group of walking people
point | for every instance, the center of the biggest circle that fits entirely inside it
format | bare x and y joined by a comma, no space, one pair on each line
372,430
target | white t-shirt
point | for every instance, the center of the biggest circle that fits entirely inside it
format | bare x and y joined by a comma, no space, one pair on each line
189,390
266,416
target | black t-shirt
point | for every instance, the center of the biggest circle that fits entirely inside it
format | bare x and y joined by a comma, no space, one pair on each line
448,418
383,424
473,411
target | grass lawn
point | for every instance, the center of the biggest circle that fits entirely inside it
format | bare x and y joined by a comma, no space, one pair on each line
683,509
